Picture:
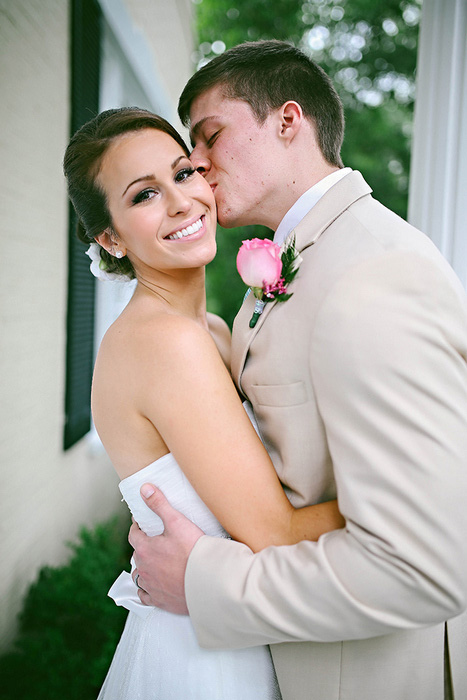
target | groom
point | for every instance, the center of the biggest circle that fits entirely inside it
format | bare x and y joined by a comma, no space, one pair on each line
359,385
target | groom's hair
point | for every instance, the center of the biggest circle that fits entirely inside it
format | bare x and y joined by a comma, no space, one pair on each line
265,74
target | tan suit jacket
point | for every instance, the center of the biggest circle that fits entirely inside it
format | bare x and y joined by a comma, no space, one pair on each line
359,386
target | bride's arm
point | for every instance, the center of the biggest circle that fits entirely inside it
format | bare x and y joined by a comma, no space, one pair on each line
188,395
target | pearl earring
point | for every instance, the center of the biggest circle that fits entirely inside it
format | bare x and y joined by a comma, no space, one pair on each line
119,254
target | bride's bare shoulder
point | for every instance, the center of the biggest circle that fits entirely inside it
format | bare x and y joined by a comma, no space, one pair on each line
154,337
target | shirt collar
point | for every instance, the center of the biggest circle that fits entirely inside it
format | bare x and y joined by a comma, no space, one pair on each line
306,202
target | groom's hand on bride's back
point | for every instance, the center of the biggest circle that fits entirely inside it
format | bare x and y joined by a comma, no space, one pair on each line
161,561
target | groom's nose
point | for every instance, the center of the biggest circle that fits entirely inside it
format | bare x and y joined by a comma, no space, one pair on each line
200,160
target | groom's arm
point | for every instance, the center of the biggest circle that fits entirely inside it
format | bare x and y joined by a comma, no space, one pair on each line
388,362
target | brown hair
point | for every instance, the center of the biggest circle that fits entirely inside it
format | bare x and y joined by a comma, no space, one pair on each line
265,74
81,164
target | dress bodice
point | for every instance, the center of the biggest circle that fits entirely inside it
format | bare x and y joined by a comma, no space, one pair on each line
166,474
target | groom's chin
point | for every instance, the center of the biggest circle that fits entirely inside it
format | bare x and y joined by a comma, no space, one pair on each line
227,219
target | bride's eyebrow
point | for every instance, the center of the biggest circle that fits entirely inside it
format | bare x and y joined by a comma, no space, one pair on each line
146,178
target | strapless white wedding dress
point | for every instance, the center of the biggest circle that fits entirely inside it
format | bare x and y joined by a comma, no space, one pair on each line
158,657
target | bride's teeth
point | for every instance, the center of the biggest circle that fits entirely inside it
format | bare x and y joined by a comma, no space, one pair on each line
186,231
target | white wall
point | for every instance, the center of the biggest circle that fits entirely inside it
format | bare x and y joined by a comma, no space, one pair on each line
46,494
438,179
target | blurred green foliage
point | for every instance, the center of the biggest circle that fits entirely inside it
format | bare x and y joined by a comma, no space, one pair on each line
369,48
69,628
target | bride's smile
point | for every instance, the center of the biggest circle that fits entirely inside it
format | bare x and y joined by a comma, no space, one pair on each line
189,231
162,210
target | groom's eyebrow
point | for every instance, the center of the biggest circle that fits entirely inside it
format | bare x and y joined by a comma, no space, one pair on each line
194,131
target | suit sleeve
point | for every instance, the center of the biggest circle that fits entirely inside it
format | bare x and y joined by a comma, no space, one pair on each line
388,365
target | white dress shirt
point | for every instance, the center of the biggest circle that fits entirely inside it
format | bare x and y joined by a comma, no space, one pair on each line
306,202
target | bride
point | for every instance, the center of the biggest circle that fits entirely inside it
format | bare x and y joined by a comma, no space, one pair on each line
163,402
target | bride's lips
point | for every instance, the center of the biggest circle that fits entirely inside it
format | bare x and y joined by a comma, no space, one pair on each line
190,231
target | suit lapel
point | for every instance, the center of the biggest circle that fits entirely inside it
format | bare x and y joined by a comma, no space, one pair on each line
313,225
243,335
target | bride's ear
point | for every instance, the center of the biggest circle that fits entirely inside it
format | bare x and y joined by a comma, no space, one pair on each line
108,239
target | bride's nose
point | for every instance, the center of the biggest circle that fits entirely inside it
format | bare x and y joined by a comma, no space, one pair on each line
177,201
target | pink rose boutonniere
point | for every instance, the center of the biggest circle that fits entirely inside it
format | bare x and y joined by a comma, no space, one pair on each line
267,271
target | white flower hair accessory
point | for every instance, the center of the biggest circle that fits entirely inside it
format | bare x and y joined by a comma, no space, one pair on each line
98,266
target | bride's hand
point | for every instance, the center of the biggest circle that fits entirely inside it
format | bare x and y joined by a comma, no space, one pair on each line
161,560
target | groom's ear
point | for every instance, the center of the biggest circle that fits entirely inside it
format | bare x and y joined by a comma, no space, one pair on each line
291,117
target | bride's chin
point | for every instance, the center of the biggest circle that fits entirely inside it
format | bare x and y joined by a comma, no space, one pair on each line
211,254
206,252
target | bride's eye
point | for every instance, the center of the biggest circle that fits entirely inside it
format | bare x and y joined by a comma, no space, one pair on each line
143,196
184,174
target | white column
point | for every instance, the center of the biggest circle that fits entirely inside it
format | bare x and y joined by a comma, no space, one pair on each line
438,177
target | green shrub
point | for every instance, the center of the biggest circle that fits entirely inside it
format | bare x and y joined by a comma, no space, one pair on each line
69,628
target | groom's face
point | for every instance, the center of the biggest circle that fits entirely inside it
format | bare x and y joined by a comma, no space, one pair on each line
238,157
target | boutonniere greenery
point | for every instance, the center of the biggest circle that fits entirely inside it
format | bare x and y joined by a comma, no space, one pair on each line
267,270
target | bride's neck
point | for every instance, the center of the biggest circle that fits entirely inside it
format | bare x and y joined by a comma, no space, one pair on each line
182,292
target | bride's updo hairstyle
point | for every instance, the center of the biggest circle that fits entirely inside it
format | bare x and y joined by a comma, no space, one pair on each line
82,163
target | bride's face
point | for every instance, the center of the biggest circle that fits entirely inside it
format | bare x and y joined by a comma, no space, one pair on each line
162,210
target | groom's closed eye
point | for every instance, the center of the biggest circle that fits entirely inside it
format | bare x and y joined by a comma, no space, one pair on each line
211,140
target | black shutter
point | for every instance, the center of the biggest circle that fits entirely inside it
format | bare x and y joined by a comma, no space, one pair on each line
85,64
